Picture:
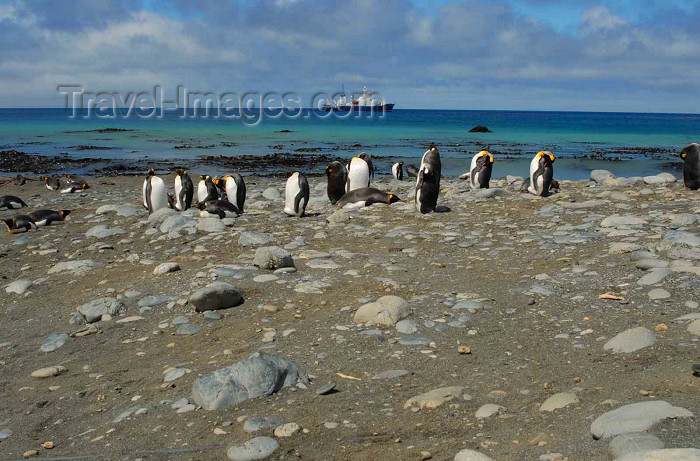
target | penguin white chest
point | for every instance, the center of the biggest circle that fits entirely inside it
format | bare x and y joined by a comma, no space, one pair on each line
358,174
159,194
201,191
178,187
291,191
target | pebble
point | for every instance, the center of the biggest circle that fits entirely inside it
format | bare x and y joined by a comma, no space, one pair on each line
327,389
261,423
287,430
54,341
188,329
166,268
49,372
254,449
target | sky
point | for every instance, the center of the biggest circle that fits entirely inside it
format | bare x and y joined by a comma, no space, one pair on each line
625,55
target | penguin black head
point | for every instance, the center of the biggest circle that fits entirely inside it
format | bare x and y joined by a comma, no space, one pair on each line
84,186
204,177
394,199
690,149
10,223
171,201
547,156
151,172
201,206
400,164
64,213
45,178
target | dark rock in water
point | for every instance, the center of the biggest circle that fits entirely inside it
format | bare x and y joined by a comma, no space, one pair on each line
480,129
218,295
258,375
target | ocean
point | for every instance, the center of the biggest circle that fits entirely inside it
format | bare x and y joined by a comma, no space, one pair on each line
628,144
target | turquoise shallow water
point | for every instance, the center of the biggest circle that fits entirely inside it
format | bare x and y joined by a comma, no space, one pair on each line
618,142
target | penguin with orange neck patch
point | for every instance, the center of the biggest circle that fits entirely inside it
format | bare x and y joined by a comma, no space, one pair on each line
691,166
46,217
541,179
366,196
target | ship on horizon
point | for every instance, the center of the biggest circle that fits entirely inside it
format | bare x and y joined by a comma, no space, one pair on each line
366,102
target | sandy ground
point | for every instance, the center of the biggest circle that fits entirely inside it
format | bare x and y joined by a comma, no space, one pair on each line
538,265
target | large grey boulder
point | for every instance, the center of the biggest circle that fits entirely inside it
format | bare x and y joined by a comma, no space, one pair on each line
94,310
272,258
634,442
661,178
258,375
599,176
156,218
635,417
218,295
630,340
174,222
211,225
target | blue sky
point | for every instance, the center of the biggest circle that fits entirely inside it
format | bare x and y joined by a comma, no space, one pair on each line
625,55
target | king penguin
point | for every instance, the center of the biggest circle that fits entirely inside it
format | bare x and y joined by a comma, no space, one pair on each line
10,202
20,223
234,186
337,179
541,176
206,189
358,174
52,182
46,217
184,190
428,182
691,166
397,171
480,170
155,195
296,195
367,196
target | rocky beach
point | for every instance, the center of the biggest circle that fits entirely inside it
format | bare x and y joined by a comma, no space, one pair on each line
511,327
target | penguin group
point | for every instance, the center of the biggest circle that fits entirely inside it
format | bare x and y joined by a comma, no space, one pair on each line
29,221
222,196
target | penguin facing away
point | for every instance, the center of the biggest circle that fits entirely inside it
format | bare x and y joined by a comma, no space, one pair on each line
480,170
155,195
358,174
234,188
428,182
19,223
397,171
10,202
184,191
367,196
337,179
541,177
691,166
296,195
46,217
368,159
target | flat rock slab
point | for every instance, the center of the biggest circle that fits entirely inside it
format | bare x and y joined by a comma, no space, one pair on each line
471,455
218,295
634,442
94,310
654,276
73,266
272,258
694,328
558,401
667,454
166,268
188,329
102,231
387,310
54,341
658,293
248,239
630,340
19,286
488,410
257,448
49,372
261,423
392,374
414,341
635,417
434,398
258,375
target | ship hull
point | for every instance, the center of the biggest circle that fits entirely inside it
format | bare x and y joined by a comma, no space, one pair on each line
348,108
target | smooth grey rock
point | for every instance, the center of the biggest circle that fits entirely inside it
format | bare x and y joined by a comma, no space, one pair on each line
635,417
488,410
414,341
406,327
249,238
173,374
392,374
156,218
678,237
261,423
661,178
658,293
618,221
218,295
558,401
5,433
265,278
469,305
387,310
634,442
94,310
599,176
272,257
257,448
260,374
19,286
54,341
338,217
646,264
165,268
101,231
630,340
188,329
73,266
126,413
155,300
181,320
654,276
212,315
211,225
327,389
271,193
471,455
491,192
174,223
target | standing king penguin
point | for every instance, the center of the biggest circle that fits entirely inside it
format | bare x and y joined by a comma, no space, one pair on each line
184,190
358,174
428,182
691,166
234,186
541,176
480,170
296,195
397,171
206,189
337,179
155,195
